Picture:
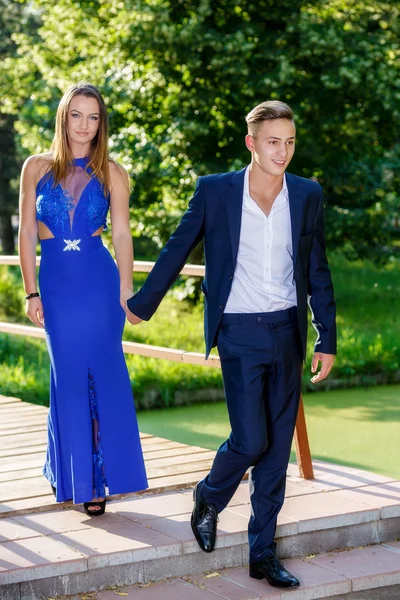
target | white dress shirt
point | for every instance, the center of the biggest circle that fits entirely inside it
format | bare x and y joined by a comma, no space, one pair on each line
263,279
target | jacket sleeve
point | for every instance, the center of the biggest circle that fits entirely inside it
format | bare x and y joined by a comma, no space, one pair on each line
320,288
172,258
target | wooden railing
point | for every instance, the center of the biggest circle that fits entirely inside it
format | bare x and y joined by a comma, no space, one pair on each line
194,358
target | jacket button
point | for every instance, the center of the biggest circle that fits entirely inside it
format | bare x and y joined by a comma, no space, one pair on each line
222,306
231,277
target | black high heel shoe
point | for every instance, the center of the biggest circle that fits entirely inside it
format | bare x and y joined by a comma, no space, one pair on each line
95,513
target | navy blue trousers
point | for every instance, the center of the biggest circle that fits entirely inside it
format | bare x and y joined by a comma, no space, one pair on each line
261,361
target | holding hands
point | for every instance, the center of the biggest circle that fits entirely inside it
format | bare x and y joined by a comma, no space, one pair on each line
133,319
124,296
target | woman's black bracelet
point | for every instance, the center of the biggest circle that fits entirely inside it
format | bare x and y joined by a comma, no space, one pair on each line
33,295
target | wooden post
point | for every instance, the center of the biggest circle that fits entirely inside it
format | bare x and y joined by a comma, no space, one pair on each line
302,445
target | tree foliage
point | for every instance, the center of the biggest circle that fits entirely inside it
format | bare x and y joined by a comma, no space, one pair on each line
12,19
179,77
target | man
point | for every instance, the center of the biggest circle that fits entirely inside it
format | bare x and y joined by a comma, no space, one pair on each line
264,247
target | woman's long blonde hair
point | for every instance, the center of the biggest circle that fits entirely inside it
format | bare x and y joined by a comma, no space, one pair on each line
61,152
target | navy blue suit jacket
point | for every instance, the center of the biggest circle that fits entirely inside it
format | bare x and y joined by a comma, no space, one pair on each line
214,215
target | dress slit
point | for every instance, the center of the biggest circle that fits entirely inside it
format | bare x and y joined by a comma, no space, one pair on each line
99,478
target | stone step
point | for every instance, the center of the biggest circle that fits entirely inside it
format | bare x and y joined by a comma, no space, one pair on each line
148,538
369,573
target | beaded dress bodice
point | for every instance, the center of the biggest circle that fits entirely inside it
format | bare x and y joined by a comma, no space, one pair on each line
76,207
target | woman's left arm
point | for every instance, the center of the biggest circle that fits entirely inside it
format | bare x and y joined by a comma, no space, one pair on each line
121,233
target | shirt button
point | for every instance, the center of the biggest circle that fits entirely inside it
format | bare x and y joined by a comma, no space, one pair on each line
258,319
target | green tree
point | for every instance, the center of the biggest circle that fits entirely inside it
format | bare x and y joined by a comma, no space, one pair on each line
9,163
180,76
15,17
8,171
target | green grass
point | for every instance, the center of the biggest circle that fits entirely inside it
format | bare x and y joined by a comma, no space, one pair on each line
360,428
368,300
368,307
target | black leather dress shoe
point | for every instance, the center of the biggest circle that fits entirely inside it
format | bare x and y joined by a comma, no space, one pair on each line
271,569
204,521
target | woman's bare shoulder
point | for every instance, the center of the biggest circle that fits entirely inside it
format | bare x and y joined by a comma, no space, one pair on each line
118,174
37,165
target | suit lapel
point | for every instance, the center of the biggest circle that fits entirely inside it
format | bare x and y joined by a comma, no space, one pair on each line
296,205
234,203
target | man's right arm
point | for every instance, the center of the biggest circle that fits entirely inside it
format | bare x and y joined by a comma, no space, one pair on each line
172,258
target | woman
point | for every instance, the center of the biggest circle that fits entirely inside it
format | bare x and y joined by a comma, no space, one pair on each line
93,438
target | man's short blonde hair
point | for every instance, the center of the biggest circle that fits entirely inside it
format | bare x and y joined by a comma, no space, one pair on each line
267,111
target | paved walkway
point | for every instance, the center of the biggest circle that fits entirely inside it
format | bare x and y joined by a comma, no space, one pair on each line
148,538
362,572
49,550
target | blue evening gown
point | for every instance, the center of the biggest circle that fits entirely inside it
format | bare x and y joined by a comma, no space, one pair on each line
93,437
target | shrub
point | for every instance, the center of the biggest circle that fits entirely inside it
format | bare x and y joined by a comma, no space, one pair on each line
11,295
368,301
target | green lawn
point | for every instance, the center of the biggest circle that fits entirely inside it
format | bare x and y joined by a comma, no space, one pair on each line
360,428
368,300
